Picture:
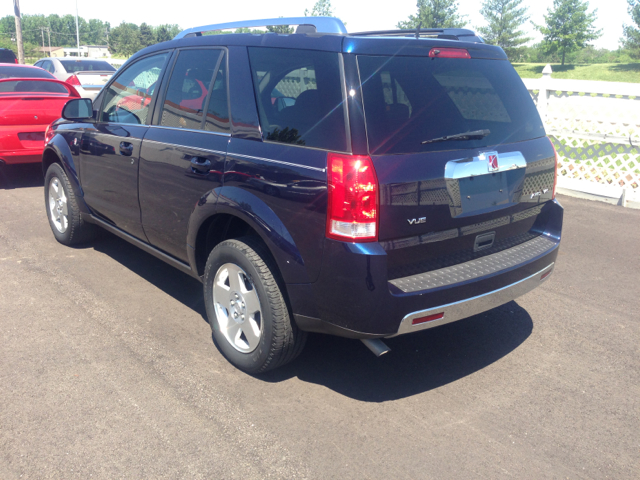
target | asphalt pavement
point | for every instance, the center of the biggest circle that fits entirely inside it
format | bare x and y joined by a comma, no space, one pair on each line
108,370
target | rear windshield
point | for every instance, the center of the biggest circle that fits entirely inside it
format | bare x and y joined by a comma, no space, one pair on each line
299,96
408,100
31,86
24,72
72,66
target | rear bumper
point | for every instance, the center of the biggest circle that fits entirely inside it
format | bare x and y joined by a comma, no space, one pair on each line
354,298
21,156
420,320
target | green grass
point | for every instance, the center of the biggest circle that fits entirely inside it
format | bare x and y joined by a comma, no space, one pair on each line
610,72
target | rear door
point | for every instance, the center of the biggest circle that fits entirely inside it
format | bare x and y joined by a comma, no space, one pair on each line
110,150
183,154
445,201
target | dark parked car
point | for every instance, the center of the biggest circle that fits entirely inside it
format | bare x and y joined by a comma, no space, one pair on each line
7,56
406,183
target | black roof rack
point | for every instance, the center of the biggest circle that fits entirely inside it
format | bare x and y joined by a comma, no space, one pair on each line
461,34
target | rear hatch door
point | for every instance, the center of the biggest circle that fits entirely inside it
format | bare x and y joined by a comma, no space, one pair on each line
461,157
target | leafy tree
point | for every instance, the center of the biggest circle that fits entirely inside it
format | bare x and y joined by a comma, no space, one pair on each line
569,27
631,38
435,14
322,8
147,35
279,28
125,39
505,19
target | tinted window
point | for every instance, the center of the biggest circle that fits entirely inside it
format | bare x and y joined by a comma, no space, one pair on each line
299,96
218,109
72,66
188,89
411,99
32,86
127,99
24,72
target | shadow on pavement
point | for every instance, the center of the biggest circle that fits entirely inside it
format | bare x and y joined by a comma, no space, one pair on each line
416,363
21,176
173,282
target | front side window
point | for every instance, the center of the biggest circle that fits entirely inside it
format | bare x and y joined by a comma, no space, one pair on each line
128,98
299,96
188,89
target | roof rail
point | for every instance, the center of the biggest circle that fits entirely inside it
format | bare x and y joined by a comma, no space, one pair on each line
321,24
462,34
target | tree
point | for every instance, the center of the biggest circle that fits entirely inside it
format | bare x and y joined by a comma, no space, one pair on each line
147,36
569,27
631,38
505,19
435,14
280,28
322,8
125,39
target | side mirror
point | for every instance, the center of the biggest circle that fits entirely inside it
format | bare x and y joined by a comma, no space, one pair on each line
78,109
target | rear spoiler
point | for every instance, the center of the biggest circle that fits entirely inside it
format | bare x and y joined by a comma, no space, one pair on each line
72,91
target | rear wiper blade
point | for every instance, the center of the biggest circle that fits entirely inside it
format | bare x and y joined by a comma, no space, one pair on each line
476,134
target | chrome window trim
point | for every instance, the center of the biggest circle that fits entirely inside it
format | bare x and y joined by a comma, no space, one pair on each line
216,152
474,305
278,161
223,134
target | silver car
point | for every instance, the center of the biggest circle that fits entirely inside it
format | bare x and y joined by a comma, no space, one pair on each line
88,76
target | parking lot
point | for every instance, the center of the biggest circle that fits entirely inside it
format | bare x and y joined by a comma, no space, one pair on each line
108,371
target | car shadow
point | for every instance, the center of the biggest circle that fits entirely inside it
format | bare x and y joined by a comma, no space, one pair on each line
21,176
185,289
417,363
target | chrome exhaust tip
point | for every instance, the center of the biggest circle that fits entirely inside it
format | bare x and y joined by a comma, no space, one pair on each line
377,346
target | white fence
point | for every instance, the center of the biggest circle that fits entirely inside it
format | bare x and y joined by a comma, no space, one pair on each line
595,127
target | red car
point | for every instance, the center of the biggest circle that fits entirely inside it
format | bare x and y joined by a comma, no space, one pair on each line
30,100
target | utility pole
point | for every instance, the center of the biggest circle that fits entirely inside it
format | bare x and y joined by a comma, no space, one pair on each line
16,10
42,34
49,33
77,29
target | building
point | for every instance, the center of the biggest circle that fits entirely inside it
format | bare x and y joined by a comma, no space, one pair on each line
86,51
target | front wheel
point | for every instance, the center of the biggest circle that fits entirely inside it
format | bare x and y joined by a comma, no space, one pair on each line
248,314
62,209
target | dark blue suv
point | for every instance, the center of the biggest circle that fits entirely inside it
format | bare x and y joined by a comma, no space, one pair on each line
364,185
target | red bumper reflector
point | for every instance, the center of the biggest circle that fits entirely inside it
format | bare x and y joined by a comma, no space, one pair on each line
545,275
430,318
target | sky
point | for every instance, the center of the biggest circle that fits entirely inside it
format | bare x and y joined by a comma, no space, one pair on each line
359,15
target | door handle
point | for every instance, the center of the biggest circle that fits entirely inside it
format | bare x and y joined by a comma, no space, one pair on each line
126,149
200,165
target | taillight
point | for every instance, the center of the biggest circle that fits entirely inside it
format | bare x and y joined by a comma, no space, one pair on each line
49,133
352,209
449,53
555,168
73,80
16,60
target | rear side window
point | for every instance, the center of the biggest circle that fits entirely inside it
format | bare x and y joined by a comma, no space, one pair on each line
218,109
72,66
299,95
188,89
408,100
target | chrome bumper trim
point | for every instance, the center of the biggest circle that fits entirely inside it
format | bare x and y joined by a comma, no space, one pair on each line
472,306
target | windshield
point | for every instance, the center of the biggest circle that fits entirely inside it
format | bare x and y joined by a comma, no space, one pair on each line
72,66
23,72
408,100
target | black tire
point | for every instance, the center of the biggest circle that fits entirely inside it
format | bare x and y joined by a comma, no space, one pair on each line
77,230
280,341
